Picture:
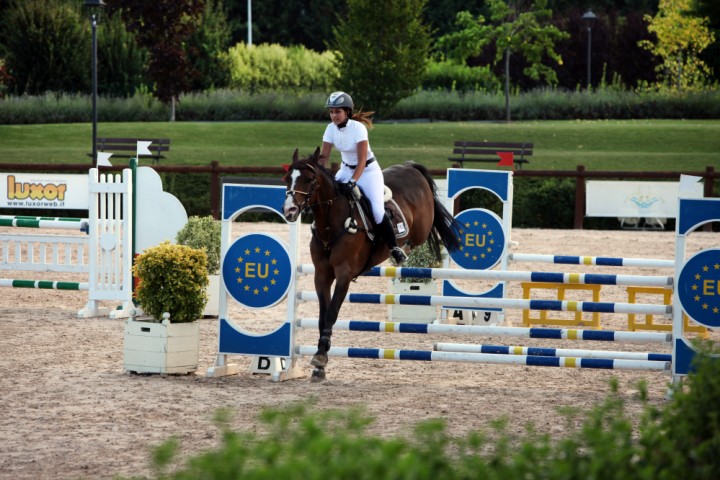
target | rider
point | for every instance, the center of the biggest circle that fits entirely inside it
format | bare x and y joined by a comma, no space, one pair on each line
348,133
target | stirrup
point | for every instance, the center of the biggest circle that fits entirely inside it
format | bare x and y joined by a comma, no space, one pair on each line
398,255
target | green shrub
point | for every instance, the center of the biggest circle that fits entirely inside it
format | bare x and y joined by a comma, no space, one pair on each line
676,440
192,189
544,203
237,105
172,278
263,68
421,257
449,76
203,233
683,439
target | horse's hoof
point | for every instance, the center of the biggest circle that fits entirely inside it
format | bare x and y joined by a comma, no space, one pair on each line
318,375
319,361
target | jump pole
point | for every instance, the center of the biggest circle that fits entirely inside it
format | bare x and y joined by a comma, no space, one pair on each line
66,223
474,302
550,352
503,275
600,261
474,330
44,284
461,357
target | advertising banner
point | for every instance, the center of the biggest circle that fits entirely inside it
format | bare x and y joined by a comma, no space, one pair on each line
44,190
636,199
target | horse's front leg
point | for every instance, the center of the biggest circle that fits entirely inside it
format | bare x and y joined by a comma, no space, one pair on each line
342,285
322,288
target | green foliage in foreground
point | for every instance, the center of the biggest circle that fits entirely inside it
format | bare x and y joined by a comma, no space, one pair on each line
679,440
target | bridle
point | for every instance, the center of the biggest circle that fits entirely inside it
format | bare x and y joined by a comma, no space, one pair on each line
306,205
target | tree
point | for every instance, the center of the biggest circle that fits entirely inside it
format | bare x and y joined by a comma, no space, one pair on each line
680,40
710,9
206,48
286,22
121,62
162,27
41,39
512,30
383,51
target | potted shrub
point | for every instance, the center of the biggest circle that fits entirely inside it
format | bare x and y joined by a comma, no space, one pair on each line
420,257
204,233
171,292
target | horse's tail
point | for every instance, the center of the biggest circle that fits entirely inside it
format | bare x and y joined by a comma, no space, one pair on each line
446,230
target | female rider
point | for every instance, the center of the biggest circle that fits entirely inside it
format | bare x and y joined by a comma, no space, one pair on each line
348,133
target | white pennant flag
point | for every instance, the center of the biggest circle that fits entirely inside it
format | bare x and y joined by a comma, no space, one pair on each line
142,149
103,159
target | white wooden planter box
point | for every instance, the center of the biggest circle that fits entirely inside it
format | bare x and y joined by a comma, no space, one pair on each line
212,308
413,313
167,348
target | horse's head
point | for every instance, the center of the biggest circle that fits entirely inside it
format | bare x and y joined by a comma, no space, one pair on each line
302,185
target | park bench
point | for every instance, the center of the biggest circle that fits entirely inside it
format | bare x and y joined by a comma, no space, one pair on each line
126,147
467,151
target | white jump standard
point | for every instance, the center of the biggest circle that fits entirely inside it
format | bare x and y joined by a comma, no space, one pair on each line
104,254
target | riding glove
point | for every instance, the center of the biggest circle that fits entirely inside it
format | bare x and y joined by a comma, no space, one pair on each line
354,190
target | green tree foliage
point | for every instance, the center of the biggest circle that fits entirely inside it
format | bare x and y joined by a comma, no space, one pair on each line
121,62
383,51
206,48
47,46
162,27
286,22
680,40
513,29
710,9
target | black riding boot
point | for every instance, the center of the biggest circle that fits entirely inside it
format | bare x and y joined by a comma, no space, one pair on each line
385,230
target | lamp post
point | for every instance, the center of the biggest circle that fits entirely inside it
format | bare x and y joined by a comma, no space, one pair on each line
94,8
249,27
589,18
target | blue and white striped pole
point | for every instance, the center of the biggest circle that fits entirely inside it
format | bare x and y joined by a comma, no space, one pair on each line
518,332
601,261
479,303
551,352
530,360
501,275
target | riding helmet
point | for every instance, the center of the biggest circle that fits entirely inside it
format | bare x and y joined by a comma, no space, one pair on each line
339,100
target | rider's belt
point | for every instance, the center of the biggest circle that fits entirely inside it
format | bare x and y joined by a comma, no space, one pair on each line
352,167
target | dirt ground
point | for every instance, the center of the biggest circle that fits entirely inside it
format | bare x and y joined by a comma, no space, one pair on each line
68,410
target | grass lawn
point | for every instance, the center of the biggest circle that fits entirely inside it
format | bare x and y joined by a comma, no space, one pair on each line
652,145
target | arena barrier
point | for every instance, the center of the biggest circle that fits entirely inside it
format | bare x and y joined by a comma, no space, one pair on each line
104,247
281,347
104,253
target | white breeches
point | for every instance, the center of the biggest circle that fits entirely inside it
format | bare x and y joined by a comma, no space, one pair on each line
372,184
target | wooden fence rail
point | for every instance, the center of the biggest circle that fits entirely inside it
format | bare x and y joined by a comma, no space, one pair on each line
216,171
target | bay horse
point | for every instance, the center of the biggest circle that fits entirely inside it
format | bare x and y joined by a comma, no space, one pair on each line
338,254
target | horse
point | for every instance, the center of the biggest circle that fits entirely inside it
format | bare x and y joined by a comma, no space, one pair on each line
339,249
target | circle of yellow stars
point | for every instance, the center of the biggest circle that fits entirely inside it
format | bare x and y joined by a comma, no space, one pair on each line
696,288
239,271
490,242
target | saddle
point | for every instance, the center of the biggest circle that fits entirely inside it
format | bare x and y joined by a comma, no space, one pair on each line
366,222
